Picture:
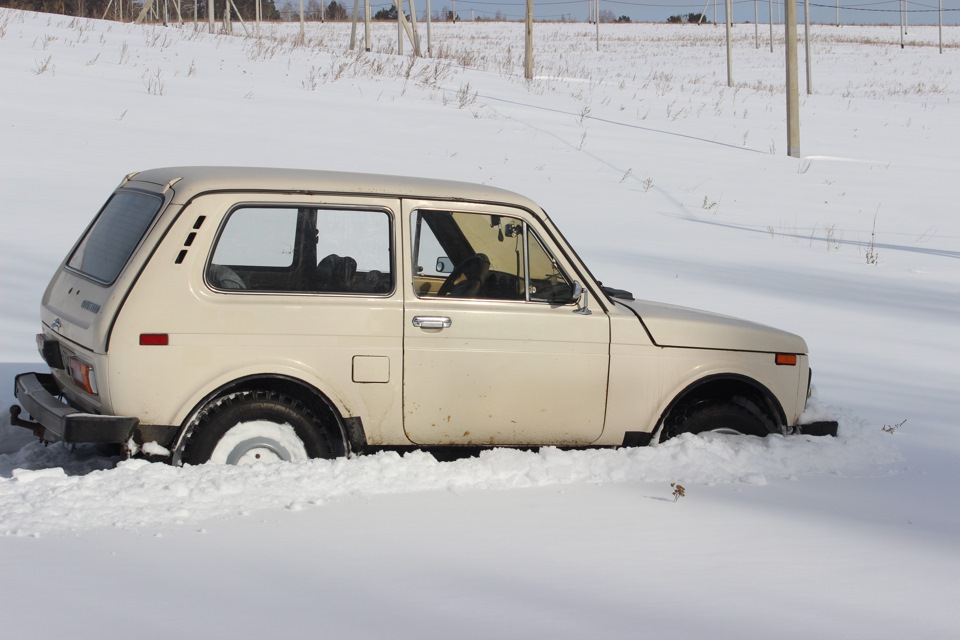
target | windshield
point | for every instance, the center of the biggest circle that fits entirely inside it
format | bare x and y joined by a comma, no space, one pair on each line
110,242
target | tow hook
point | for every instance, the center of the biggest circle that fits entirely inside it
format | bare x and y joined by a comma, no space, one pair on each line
35,427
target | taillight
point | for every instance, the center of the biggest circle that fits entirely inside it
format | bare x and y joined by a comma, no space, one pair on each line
83,376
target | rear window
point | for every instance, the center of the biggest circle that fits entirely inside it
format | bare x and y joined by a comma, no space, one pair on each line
110,242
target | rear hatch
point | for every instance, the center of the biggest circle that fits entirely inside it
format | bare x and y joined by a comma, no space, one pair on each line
84,295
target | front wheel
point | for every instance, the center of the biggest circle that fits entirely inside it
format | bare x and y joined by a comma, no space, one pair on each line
248,427
720,417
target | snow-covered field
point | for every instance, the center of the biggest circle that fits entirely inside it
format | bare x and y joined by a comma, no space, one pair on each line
670,184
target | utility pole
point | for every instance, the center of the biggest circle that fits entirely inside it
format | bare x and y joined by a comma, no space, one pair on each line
940,24
728,20
793,90
903,26
756,24
353,27
770,9
528,44
596,15
415,36
366,26
806,45
429,46
399,7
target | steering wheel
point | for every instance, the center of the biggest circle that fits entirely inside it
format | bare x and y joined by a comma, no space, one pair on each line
474,271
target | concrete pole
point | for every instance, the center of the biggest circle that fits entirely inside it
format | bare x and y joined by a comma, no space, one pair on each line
366,25
399,7
756,24
901,24
353,28
211,10
596,12
728,18
415,36
303,27
793,89
770,7
429,22
806,45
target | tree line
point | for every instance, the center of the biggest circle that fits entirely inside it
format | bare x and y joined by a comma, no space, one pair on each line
131,8
313,10
692,18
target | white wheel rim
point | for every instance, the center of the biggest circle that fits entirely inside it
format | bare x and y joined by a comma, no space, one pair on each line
729,431
259,442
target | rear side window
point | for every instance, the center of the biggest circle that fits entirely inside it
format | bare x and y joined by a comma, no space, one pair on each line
304,249
111,240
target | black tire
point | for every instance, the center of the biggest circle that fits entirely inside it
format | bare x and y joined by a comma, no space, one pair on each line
715,416
267,417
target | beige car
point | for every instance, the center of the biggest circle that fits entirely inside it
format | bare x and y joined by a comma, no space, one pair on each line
237,314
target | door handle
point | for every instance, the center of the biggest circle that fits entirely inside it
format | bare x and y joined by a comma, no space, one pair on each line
432,322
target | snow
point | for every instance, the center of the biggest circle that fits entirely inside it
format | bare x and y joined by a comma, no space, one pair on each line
669,184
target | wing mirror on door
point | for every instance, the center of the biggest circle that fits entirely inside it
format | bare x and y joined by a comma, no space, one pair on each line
582,297
444,265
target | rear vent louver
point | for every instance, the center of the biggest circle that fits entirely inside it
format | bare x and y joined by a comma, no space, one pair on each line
190,238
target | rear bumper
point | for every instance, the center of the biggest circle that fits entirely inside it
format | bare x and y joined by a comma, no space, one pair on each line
52,420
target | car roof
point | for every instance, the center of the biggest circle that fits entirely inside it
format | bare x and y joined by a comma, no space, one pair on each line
187,182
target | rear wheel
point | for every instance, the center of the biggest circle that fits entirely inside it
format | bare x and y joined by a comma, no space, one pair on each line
249,427
719,417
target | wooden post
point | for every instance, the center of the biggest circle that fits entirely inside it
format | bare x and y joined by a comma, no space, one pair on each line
528,44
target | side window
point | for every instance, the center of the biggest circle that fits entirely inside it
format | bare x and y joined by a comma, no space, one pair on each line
258,237
473,255
257,250
303,249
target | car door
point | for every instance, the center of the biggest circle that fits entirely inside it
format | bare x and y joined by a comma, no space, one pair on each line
495,352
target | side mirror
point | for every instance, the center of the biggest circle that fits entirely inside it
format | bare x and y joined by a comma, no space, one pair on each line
444,265
582,297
